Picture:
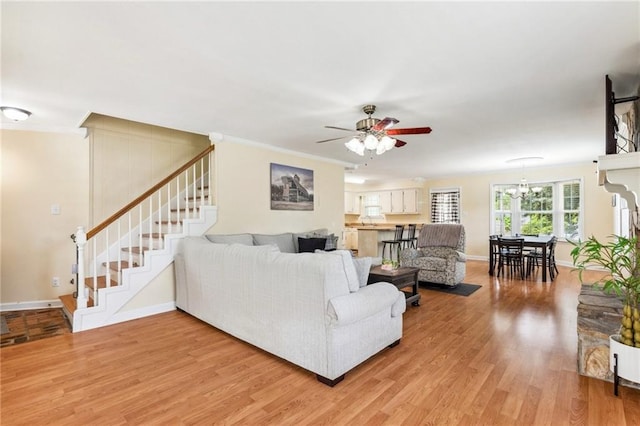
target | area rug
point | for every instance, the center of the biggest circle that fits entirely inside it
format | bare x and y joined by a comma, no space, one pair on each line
27,326
4,329
461,289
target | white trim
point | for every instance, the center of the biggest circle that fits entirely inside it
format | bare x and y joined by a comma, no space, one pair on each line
142,312
34,304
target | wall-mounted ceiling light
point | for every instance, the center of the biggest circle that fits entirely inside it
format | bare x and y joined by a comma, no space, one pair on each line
15,114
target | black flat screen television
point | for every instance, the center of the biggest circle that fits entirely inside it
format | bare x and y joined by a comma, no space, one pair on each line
611,142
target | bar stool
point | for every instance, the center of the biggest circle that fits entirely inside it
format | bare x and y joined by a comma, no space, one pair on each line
411,241
396,242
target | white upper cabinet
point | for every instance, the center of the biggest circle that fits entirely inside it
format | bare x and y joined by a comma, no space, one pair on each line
386,203
410,201
399,201
351,202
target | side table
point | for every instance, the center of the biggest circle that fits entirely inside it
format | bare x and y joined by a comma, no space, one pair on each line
402,277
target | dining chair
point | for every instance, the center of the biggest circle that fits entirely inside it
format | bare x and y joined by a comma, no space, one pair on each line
511,256
534,259
395,243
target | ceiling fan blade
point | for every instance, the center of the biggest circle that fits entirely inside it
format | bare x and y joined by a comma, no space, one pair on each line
385,123
332,139
399,143
340,128
410,131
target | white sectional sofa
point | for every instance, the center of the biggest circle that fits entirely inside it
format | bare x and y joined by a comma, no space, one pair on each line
311,309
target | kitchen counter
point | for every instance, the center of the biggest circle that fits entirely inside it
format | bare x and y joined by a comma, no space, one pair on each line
377,226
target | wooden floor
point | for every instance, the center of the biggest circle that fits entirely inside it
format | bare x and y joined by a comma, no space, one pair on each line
506,355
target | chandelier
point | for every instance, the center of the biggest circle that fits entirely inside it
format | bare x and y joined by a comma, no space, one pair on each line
522,190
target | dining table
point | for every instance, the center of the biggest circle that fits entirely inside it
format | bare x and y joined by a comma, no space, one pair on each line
542,242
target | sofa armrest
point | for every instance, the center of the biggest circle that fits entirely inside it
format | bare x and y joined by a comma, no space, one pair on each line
368,300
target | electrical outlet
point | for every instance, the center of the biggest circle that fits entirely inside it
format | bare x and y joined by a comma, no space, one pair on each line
55,281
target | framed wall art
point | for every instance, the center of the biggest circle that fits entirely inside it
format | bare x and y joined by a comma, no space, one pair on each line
291,188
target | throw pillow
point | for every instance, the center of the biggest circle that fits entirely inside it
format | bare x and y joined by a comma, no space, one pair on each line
310,245
363,266
316,233
332,242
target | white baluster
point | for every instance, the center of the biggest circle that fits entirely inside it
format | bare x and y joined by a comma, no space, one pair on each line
178,201
201,183
107,277
81,241
95,271
169,208
139,231
129,256
119,254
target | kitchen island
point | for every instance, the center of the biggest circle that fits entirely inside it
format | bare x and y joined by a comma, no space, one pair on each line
370,237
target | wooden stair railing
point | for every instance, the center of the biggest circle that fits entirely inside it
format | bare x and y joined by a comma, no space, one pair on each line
158,211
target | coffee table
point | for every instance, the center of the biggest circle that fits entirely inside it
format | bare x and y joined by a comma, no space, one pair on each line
402,277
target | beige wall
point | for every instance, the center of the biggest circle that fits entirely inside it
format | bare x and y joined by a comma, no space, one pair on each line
39,170
243,191
475,193
242,194
140,155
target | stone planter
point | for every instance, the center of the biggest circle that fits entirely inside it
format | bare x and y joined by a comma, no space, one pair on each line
627,362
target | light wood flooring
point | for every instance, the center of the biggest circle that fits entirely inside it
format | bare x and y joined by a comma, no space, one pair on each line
506,355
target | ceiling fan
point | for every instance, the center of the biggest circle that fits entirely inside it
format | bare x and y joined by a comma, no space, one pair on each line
374,134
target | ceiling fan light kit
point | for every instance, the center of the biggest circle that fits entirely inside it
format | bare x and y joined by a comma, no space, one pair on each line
373,134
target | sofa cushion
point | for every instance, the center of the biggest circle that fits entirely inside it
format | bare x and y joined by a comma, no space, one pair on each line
283,241
244,239
348,265
310,245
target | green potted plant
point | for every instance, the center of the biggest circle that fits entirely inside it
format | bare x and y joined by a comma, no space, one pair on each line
620,257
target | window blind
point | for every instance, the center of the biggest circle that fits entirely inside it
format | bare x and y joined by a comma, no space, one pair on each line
445,206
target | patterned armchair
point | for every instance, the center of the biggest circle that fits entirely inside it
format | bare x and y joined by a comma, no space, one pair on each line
440,254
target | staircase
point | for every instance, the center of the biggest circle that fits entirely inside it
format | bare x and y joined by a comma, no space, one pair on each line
125,253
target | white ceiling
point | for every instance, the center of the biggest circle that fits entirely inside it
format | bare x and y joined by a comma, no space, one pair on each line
495,81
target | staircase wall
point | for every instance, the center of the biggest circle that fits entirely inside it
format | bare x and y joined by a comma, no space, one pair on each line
139,154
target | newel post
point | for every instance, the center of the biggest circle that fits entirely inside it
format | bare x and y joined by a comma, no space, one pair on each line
81,241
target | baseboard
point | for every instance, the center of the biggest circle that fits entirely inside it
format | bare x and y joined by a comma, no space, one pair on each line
142,312
35,304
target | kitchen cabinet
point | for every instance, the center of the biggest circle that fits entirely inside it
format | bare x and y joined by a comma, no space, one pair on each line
351,202
399,201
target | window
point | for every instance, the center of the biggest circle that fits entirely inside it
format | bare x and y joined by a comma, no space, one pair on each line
555,209
372,208
445,205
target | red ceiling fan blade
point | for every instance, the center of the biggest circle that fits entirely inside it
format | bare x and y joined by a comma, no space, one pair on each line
399,143
410,131
385,123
